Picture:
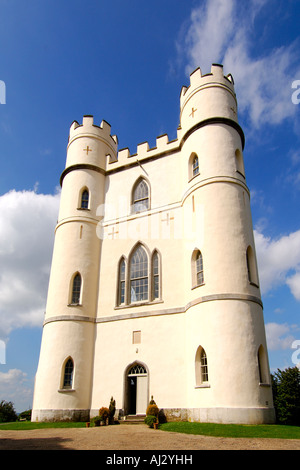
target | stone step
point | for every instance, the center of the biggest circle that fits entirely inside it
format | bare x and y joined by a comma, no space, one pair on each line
133,419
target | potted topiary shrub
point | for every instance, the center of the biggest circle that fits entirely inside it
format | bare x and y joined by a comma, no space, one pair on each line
96,420
104,414
152,414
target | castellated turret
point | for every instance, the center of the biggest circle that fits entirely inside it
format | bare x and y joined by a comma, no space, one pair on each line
154,288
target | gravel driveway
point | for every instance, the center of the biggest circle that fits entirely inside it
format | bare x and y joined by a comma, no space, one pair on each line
131,437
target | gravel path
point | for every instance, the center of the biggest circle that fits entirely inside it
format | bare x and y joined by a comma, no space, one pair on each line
131,437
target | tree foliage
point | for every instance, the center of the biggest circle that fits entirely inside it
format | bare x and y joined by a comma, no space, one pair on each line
286,395
7,412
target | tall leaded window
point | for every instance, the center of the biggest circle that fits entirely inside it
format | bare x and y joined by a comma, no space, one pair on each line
139,275
122,273
84,199
201,367
155,275
195,165
68,374
199,268
76,289
140,196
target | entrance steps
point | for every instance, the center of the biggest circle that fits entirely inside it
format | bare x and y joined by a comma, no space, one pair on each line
133,419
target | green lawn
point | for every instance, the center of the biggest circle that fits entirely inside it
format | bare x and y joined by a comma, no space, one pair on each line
234,430
26,425
207,429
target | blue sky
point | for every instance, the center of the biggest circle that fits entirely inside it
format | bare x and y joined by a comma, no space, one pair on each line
126,62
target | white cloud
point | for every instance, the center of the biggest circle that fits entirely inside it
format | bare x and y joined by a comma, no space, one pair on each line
27,222
294,284
14,387
279,261
221,31
279,336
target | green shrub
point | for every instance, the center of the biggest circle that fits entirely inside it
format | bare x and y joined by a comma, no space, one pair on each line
7,412
152,410
96,420
286,395
150,420
104,412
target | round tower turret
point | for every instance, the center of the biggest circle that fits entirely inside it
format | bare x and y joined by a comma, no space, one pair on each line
225,322
64,376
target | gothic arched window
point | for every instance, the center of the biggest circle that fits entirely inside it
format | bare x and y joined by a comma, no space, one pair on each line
155,276
68,374
197,269
195,165
251,266
140,196
139,275
84,199
201,367
76,289
121,286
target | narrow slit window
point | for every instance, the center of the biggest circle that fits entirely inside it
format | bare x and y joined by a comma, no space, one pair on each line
155,274
85,199
122,282
68,374
76,289
195,165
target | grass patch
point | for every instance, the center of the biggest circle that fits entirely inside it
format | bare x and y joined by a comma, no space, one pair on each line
27,425
272,431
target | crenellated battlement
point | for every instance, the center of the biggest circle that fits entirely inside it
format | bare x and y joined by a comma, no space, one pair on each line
163,145
197,80
194,108
88,128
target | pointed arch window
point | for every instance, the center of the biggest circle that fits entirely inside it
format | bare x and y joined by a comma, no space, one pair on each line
155,276
76,289
140,196
68,374
197,269
122,277
84,199
251,266
201,367
262,365
195,165
139,275
139,278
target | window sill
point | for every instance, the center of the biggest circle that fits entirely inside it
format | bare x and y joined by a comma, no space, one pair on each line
253,284
66,390
204,385
198,285
262,384
74,305
139,304
193,177
83,209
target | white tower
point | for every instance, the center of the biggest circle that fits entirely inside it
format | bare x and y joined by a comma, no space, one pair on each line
165,301
225,326
64,376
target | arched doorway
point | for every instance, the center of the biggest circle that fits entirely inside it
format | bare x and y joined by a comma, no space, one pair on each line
136,389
